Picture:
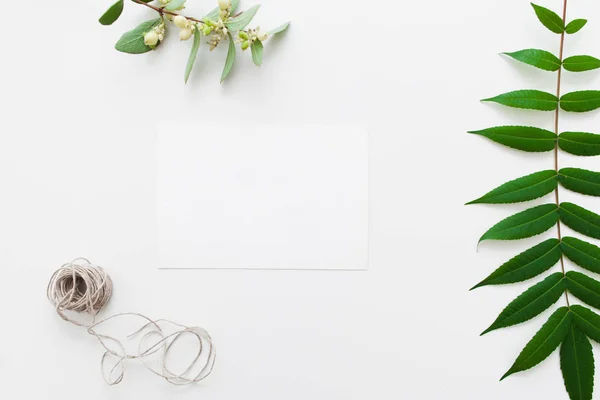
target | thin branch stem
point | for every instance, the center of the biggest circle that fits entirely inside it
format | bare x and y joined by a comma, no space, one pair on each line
162,11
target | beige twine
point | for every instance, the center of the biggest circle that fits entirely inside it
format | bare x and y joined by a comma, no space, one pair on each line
82,287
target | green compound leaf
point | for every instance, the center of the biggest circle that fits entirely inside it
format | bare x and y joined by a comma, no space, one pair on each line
583,101
525,224
577,365
112,14
525,138
580,220
538,58
586,321
584,288
193,53
174,5
581,63
257,52
549,19
132,42
242,20
526,188
526,265
580,181
545,341
527,99
279,29
230,60
575,26
584,254
580,143
214,14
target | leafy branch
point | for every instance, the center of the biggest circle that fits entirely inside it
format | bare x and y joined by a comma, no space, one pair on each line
572,326
221,24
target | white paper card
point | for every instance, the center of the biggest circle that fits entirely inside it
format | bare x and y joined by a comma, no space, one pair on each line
269,197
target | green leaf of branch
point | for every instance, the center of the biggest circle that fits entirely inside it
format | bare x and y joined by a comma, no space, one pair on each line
583,101
242,20
538,58
581,63
531,303
586,321
545,341
132,42
575,26
549,19
193,53
175,5
279,29
580,220
577,365
525,224
528,99
526,188
230,60
525,138
584,288
580,181
580,143
112,14
584,254
257,52
526,265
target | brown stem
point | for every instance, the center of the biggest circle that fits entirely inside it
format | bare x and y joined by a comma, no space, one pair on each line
556,118
162,11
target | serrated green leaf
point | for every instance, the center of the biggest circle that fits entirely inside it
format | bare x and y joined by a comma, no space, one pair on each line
214,14
581,63
580,143
586,321
527,99
112,14
583,101
279,29
584,254
525,138
538,58
174,5
531,303
584,288
193,53
575,26
230,58
257,52
549,19
242,20
526,188
580,181
132,42
577,365
544,342
525,224
580,220
526,265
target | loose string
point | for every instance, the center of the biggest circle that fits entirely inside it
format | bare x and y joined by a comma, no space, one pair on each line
81,287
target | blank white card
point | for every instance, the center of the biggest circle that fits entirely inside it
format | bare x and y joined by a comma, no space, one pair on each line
268,197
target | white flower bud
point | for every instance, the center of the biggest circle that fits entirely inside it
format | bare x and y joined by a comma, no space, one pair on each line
185,34
151,38
181,22
262,36
224,4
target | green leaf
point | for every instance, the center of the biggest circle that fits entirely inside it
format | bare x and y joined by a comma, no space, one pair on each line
531,303
242,20
525,224
279,29
580,181
581,63
580,220
526,265
585,100
132,42
526,138
584,254
586,321
230,58
193,53
549,19
577,365
580,143
575,26
214,14
545,341
528,99
112,14
584,288
538,58
526,188
174,5
257,52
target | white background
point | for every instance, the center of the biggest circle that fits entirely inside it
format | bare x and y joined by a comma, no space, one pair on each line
76,168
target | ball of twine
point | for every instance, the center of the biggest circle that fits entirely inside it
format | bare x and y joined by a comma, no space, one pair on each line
81,287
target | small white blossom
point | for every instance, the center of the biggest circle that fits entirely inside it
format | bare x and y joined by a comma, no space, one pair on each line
262,36
181,22
151,38
185,34
224,4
